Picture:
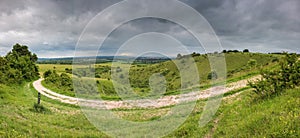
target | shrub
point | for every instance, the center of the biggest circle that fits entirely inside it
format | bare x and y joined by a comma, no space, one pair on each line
277,81
275,60
212,75
68,70
252,63
47,73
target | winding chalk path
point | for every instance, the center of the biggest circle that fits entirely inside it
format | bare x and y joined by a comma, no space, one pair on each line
143,103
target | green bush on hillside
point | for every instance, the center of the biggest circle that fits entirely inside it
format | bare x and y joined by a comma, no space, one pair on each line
18,66
277,81
62,81
212,75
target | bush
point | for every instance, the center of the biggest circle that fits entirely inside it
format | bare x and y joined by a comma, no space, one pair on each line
252,63
212,75
47,73
68,70
277,81
18,66
62,81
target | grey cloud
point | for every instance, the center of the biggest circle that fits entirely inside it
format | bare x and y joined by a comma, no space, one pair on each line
254,24
50,27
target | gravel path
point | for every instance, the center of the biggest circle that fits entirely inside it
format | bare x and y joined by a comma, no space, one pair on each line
143,103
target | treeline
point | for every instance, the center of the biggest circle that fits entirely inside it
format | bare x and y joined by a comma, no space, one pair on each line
18,65
194,54
235,51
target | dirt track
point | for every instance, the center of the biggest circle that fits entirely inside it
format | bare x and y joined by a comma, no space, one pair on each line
144,103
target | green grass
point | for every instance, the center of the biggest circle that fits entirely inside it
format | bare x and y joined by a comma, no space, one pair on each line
18,119
61,68
245,116
58,67
242,116
275,117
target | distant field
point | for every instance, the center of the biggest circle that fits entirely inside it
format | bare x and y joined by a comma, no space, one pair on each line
61,68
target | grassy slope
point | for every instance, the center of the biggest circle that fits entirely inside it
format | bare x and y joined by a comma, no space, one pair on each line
236,67
276,117
18,120
241,116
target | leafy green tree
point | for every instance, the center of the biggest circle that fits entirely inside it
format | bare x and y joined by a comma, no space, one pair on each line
246,50
3,69
18,65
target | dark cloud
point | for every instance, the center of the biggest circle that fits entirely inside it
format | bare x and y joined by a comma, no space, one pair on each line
261,25
50,27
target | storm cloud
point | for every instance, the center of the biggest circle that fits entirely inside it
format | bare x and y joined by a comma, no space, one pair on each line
52,28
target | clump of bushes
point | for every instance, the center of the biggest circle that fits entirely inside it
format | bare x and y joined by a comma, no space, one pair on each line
62,81
274,82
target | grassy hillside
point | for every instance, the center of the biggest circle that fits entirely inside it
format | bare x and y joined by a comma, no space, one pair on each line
245,116
239,116
237,68
276,117
19,119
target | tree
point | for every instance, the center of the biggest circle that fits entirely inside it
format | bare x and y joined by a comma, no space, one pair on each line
246,50
3,69
179,56
194,54
18,65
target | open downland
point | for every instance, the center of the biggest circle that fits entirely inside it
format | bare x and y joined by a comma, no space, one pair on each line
238,116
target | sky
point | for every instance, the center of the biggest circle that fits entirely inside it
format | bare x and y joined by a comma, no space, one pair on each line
52,28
